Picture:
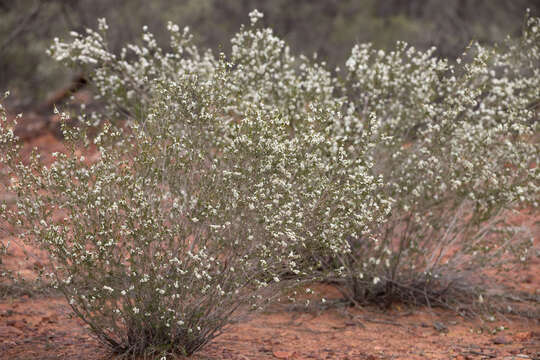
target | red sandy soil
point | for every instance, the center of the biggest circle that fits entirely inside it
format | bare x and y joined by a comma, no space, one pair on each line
39,326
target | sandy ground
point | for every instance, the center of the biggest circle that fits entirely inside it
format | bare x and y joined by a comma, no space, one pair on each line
41,328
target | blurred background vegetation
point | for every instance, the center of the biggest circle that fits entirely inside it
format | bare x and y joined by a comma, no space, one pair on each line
327,27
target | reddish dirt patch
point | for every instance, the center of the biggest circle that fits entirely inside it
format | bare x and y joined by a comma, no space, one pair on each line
366,334
40,326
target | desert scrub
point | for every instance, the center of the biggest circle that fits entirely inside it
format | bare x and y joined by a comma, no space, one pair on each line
454,144
219,177
196,207
5,275
261,74
461,154
262,71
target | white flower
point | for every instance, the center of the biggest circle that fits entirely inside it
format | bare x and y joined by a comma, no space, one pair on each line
254,16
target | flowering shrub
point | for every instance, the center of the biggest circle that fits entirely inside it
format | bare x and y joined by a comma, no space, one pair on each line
218,176
461,152
4,275
198,204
